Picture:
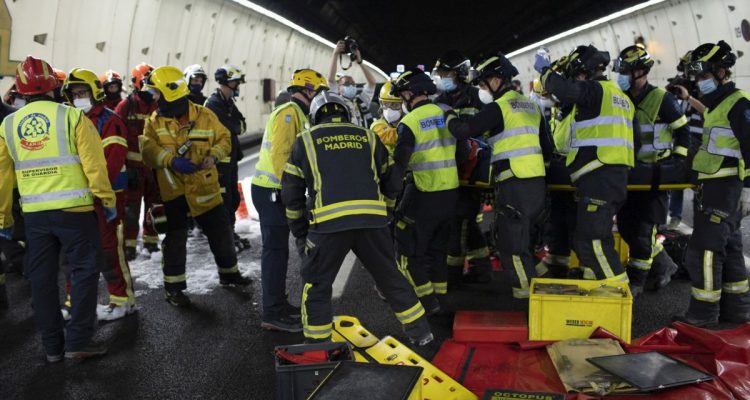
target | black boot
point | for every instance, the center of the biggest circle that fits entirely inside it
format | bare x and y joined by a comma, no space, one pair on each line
700,314
637,278
662,270
735,308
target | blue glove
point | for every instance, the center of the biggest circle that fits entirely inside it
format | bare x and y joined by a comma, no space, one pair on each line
110,213
6,233
183,165
541,62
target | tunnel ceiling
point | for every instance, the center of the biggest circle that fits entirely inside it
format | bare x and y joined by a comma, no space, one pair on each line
415,32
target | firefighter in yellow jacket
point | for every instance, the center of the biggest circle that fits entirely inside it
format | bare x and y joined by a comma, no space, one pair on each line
55,155
182,142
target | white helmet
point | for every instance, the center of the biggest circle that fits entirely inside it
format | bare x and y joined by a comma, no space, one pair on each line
194,70
326,103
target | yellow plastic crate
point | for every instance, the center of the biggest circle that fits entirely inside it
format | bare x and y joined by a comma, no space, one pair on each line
620,246
559,317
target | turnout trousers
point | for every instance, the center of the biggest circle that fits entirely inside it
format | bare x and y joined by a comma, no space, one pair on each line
142,187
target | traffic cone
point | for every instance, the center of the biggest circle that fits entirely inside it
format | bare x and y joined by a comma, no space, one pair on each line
242,209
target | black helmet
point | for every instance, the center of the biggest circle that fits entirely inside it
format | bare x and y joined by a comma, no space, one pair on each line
453,60
415,81
227,73
708,57
633,58
586,60
497,65
684,61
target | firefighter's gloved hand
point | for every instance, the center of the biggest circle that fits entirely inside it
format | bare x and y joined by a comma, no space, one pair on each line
183,166
6,233
110,213
444,107
745,202
541,62
301,243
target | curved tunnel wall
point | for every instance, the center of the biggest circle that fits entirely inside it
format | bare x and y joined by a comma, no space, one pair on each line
669,29
117,34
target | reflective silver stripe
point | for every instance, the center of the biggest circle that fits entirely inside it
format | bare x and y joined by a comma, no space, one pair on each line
736,287
430,165
47,162
714,134
271,177
61,128
647,128
524,151
710,296
606,120
574,142
658,131
52,196
721,173
695,129
523,130
431,144
695,117
585,169
374,207
646,148
266,145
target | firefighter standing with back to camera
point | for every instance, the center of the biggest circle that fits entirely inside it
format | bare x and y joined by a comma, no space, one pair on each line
344,212
182,141
519,140
714,257
602,150
664,139
222,103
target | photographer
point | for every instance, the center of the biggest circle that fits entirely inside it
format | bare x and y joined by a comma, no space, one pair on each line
359,104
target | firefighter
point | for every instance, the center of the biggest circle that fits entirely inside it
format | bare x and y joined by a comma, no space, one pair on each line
466,243
84,91
427,151
349,217
134,110
196,79
664,139
222,103
602,151
518,133
714,257
185,163
8,244
284,123
55,155
112,83
391,114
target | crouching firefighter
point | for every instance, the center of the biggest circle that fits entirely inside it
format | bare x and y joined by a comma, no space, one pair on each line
345,211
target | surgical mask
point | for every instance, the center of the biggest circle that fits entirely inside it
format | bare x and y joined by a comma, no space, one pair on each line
391,115
623,81
404,108
236,92
19,102
707,86
445,84
172,109
349,91
195,88
83,104
485,96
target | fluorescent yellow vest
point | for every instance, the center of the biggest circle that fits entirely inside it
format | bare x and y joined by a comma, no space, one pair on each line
655,136
519,141
264,172
433,162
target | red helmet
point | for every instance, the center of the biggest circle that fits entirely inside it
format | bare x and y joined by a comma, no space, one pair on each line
35,76
111,76
139,73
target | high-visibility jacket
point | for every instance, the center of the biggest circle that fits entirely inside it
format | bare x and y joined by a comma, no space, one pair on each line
433,162
57,157
611,132
284,123
134,111
113,133
342,167
656,135
562,132
163,137
387,133
719,141
519,141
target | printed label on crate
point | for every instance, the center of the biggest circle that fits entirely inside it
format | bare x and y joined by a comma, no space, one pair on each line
502,394
579,322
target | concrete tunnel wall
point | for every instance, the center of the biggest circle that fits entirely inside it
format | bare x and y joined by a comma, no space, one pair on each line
670,29
118,34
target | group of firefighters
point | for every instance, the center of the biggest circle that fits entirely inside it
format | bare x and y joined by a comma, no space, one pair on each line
404,194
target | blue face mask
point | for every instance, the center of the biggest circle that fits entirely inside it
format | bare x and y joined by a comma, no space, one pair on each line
446,84
349,91
195,87
623,81
707,86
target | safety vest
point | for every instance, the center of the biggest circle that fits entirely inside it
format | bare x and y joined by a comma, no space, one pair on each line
519,141
656,135
41,141
433,162
611,132
562,132
719,141
264,172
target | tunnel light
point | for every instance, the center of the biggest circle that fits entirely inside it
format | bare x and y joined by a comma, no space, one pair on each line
586,26
278,18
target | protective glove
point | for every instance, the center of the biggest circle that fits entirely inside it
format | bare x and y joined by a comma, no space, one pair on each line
6,233
183,165
745,202
301,243
444,107
541,62
110,213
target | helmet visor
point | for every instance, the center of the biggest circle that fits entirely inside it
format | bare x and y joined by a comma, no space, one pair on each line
695,69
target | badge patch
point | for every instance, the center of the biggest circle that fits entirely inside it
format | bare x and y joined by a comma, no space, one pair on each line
33,131
288,119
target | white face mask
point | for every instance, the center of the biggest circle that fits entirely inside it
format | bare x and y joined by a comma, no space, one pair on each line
83,104
391,116
19,102
404,109
485,96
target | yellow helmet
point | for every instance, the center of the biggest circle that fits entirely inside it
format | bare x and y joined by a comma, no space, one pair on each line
385,93
80,76
169,81
308,79
537,86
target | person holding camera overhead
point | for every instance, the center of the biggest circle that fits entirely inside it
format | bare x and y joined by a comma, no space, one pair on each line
344,85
